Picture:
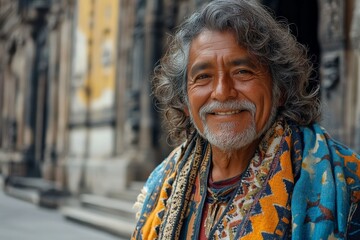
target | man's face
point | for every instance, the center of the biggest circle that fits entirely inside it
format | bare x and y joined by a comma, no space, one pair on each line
229,91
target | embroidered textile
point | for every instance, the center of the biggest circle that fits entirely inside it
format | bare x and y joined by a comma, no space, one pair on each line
300,184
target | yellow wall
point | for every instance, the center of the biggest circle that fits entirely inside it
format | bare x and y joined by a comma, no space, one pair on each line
97,22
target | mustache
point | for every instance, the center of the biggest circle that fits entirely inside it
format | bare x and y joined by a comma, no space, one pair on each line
243,105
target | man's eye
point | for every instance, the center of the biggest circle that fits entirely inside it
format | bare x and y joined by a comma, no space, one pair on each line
202,76
243,74
243,71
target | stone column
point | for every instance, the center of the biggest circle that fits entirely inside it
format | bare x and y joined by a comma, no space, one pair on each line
50,154
133,115
353,63
8,106
64,76
2,91
125,132
149,123
132,123
40,99
14,77
331,36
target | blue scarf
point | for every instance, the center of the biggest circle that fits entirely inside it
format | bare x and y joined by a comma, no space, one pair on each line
327,189
325,196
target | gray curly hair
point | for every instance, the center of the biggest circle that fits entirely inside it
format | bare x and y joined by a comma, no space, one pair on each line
265,38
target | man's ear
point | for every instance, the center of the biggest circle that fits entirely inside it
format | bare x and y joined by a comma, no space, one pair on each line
186,110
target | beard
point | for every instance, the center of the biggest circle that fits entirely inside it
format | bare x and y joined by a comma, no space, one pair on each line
229,138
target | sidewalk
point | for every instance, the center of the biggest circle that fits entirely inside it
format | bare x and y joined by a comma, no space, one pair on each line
22,220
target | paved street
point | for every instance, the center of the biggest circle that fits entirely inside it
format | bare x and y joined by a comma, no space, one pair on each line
21,220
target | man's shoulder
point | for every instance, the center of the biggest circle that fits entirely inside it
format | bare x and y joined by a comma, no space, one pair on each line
166,166
176,153
156,178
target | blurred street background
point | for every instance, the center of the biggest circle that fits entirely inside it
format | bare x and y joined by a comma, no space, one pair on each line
79,133
22,220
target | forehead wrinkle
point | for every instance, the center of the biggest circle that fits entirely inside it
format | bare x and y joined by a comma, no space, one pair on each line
242,61
199,66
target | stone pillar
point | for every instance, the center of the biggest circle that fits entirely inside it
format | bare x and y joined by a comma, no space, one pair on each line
17,72
353,76
2,91
132,121
149,123
21,66
125,129
40,96
59,25
64,76
9,106
50,154
331,36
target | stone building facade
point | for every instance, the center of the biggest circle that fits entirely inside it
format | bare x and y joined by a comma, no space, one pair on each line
75,102
34,73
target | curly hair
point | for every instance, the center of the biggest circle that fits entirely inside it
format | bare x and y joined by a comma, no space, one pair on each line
265,38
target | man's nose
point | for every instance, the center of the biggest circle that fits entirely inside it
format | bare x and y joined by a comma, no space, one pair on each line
224,88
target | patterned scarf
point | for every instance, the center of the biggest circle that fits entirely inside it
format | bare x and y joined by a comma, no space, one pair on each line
300,184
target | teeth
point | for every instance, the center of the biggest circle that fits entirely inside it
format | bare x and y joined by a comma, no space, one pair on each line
227,113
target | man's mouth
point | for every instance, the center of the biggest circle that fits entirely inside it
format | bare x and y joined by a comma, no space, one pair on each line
226,113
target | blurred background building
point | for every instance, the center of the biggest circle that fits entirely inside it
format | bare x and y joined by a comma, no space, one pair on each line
76,114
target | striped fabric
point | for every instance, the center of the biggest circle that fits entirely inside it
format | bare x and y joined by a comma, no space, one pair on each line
300,184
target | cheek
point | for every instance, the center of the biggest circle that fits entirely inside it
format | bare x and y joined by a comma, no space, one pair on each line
265,110
196,97
261,96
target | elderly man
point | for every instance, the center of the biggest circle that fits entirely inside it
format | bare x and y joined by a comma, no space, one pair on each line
253,163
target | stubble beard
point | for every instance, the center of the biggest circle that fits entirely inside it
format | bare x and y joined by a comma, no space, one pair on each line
228,139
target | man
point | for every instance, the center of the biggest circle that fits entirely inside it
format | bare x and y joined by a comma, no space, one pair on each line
254,164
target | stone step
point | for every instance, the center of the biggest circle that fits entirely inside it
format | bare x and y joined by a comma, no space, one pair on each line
31,183
131,193
114,215
48,199
28,195
117,225
108,205
128,195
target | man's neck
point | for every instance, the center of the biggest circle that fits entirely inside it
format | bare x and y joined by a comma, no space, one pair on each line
226,164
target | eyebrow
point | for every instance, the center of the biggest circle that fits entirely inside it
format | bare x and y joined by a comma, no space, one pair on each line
200,66
236,62
242,61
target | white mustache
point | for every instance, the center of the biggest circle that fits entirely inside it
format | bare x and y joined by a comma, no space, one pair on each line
234,105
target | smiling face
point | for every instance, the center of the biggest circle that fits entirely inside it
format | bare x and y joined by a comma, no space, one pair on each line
229,91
